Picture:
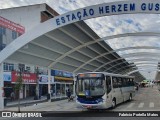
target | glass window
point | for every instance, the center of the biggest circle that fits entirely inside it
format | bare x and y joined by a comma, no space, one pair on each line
92,86
8,67
5,67
14,35
71,88
128,82
58,90
53,93
108,84
119,82
11,67
124,83
132,82
114,80
63,90
67,87
4,31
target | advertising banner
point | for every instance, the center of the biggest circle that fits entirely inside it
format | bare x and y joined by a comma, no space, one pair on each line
11,25
27,77
61,73
7,76
43,79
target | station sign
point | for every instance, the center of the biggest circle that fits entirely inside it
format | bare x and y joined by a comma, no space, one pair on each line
107,9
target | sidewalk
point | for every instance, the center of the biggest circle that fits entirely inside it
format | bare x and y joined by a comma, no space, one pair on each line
61,105
25,102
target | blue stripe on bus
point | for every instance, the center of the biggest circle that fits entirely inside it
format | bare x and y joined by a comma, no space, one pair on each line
96,101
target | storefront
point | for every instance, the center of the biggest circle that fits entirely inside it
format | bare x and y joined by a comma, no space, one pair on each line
62,82
43,84
29,84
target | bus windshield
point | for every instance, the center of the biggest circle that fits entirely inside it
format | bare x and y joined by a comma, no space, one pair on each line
90,86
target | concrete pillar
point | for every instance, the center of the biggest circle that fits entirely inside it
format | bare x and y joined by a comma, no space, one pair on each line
65,90
49,83
1,87
25,90
55,90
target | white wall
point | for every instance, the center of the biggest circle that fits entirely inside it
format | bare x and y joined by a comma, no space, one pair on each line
28,16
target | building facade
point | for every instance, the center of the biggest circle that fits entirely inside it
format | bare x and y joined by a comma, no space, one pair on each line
13,23
29,16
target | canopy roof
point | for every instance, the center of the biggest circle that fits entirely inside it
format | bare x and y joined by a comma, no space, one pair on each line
75,48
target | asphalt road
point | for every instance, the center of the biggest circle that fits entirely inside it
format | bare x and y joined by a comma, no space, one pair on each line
146,99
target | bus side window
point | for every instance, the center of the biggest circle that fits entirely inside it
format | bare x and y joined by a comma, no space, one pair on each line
119,81
108,84
114,81
132,82
124,82
129,82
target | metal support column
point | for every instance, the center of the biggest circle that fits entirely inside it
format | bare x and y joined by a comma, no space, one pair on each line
1,88
49,84
74,86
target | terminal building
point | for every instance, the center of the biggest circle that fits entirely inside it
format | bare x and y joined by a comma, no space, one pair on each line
13,23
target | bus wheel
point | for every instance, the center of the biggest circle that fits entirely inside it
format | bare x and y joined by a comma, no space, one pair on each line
114,103
130,97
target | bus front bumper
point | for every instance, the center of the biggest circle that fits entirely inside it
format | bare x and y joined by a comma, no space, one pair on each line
99,105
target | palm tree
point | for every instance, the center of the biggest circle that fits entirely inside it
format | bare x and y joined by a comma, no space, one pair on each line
18,87
37,97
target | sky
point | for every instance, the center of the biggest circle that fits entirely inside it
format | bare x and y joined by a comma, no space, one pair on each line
112,25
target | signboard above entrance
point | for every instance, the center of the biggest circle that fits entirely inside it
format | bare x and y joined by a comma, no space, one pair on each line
11,25
27,77
61,73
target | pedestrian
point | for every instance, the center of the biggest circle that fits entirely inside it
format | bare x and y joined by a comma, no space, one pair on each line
69,94
12,96
137,87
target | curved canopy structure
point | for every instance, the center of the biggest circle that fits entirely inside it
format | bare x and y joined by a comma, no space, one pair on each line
73,46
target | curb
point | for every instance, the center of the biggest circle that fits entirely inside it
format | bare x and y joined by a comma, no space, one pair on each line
27,103
34,102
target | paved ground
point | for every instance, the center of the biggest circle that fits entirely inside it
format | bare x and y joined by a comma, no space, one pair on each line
146,99
25,102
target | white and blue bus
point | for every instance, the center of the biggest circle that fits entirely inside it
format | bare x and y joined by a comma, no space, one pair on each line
101,90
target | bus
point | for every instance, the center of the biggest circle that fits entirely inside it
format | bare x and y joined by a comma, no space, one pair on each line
101,90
